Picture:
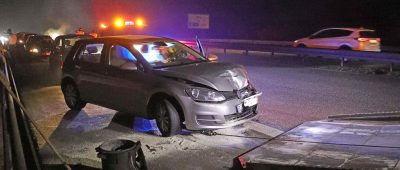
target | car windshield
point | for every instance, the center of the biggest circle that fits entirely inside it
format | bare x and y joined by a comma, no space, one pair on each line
41,39
164,54
69,42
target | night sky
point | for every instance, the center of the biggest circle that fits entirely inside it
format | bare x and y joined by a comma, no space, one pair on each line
239,19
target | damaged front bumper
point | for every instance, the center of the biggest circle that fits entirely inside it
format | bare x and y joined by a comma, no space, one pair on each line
219,115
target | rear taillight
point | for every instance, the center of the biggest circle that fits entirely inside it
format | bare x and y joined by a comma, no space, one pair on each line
368,39
62,64
362,39
242,161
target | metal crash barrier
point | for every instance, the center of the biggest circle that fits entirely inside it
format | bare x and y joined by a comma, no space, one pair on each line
277,47
19,143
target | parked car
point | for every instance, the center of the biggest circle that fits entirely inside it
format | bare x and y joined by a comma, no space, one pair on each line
22,37
39,47
63,45
342,38
158,78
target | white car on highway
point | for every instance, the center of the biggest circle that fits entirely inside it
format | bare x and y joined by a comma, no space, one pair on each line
342,38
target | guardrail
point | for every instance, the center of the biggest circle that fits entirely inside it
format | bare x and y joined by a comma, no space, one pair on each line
20,146
284,47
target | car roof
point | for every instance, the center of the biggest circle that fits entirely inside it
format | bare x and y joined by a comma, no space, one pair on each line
127,38
73,35
350,29
133,37
40,36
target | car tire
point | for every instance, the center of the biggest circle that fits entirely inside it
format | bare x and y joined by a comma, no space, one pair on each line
301,46
167,118
345,47
72,97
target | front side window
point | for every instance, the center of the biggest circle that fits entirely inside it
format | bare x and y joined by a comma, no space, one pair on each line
120,55
91,53
324,34
342,33
163,53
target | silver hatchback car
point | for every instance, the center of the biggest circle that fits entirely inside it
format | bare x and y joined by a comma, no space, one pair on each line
158,78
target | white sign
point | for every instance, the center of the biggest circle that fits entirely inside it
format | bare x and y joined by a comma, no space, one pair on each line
198,21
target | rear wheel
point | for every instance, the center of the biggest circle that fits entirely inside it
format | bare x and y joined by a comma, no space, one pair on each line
301,46
167,118
72,97
345,47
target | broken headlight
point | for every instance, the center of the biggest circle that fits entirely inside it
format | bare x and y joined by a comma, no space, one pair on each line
205,95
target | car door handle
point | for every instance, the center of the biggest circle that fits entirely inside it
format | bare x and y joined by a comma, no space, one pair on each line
77,67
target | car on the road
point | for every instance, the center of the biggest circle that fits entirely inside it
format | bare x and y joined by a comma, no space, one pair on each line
158,78
22,37
39,47
342,38
63,45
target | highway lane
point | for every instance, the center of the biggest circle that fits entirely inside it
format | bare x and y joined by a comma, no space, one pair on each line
293,91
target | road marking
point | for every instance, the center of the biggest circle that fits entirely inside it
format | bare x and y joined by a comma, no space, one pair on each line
264,129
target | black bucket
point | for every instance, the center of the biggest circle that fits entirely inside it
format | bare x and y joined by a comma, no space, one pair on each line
121,154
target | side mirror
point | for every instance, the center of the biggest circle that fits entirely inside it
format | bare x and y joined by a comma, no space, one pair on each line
212,57
129,66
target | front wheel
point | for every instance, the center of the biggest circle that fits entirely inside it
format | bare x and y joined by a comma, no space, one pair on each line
168,121
72,97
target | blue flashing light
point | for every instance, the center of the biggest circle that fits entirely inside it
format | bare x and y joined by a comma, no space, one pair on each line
143,125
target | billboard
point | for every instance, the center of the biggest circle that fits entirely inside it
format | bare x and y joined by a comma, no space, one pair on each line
198,21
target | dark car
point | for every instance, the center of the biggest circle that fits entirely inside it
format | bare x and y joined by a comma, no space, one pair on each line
63,45
22,37
39,47
161,78
17,46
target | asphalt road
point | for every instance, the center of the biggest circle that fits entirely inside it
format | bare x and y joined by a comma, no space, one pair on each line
293,91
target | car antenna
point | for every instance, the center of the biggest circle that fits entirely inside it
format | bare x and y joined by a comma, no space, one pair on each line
200,47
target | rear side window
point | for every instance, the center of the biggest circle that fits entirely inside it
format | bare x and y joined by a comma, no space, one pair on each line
91,53
333,33
368,34
120,55
341,33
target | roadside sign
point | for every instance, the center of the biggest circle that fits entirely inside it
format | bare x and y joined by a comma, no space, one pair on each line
198,21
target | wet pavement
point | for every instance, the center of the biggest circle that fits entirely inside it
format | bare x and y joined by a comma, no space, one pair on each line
77,134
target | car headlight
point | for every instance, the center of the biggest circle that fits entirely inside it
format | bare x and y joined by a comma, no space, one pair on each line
34,50
205,95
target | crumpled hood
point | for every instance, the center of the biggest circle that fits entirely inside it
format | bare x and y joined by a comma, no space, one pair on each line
220,76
